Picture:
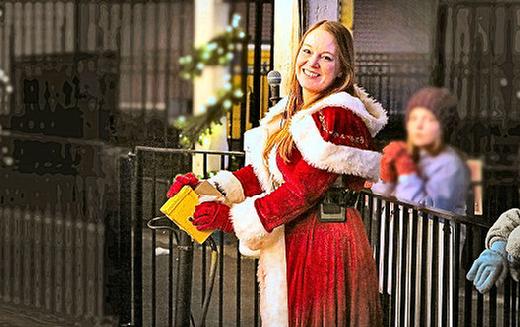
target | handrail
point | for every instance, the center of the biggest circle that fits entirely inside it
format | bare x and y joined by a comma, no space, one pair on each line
169,150
444,214
34,136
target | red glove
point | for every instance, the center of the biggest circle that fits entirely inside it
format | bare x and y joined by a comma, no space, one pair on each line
396,161
212,215
180,181
404,164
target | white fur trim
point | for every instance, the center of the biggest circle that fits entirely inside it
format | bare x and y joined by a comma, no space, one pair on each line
246,223
274,111
272,269
272,280
378,115
277,176
328,156
246,251
269,178
368,109
230,185
211,198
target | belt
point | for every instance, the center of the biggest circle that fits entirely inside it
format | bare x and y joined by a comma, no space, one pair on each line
335,202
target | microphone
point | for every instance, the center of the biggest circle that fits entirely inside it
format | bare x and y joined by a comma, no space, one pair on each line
274,78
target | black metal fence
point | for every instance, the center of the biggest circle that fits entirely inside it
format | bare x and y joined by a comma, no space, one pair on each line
56,260
87,76
156,255
392,78
422,256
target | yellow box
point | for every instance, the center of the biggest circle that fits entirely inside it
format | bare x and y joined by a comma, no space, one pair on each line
180,208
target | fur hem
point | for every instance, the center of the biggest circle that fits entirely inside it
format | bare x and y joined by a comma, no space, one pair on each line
246,251
328,156
230,185
272,280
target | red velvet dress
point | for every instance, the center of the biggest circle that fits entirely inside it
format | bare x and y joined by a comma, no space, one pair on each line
330,272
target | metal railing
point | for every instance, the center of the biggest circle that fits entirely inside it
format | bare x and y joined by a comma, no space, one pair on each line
422,256
156,254
52,250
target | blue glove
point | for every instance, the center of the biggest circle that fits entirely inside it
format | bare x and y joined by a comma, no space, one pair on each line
490,268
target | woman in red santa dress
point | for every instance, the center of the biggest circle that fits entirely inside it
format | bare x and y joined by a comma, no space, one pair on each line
311,273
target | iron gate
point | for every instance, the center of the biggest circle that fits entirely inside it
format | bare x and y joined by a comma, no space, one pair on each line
477,58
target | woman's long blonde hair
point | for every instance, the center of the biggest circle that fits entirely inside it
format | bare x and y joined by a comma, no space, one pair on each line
344,81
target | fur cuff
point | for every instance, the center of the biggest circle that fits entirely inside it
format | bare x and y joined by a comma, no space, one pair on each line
328,156
247,224
227,182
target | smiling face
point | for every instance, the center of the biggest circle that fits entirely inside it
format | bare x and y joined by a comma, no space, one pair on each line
317,63
423,128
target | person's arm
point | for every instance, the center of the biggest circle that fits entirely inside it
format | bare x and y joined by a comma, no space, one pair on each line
501,254
383,188
513,247
333,141
503,227
440,190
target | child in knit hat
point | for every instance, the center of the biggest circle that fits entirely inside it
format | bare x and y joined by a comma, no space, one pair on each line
425,169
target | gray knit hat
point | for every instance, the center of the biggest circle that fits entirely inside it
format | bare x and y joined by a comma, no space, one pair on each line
440,102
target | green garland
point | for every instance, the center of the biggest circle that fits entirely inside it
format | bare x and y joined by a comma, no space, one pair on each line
5,82
218,51
194,128
6,85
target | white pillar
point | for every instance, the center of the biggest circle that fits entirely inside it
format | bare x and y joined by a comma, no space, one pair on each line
211,19
286,37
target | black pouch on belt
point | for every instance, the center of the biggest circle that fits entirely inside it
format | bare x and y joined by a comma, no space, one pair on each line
333,206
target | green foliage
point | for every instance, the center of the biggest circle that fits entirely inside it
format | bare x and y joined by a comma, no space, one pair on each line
218,51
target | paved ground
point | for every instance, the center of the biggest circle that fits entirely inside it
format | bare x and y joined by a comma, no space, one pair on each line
11,316
225,294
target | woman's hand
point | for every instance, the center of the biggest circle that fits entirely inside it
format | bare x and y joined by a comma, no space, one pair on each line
396,161
212,215
180,181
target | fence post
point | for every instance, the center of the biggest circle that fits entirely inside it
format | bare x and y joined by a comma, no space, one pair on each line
138,239
125,246
183,299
